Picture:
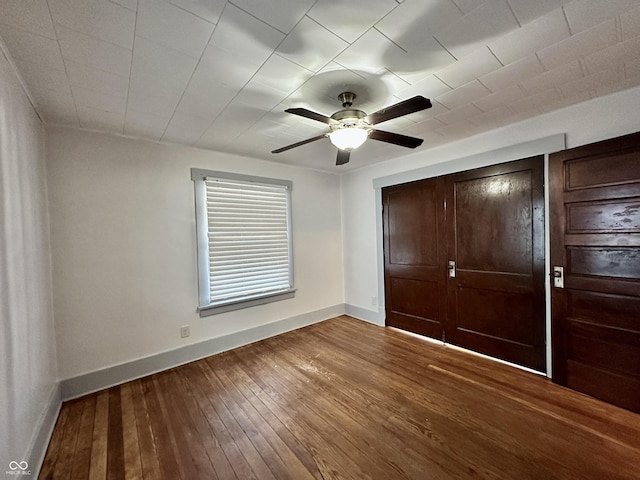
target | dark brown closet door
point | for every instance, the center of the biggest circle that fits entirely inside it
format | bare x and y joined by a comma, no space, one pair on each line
595,237
414,256
492,229
495,219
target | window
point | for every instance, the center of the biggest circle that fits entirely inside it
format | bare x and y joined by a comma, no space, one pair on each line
243,226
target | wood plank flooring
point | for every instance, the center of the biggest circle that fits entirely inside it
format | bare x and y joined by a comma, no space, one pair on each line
343,399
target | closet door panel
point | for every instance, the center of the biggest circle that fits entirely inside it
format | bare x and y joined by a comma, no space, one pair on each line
495,220
414,271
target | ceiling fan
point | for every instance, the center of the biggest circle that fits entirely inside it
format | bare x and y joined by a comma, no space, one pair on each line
349,128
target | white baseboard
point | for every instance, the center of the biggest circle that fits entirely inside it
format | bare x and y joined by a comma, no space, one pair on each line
43,431
371,316
108,377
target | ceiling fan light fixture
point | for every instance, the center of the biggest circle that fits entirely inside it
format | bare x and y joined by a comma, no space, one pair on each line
348,138
349,128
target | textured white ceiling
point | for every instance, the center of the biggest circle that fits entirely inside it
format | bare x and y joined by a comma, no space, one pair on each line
219,74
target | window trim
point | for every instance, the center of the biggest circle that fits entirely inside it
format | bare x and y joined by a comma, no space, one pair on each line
205,308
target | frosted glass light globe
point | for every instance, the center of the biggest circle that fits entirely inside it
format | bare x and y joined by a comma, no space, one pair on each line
348,138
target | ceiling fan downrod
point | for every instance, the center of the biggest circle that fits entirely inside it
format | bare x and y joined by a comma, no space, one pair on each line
347,99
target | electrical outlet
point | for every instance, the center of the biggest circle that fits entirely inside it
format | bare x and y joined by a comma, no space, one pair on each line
374,301
185,331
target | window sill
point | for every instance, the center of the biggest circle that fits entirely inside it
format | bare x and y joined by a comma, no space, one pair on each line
246,303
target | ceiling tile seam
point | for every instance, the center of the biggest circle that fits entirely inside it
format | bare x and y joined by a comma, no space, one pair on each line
555,88
495,56
619,34
258,18
345,68
523,90
445,48
328,30
435,101
383,17
514,14
544,69
165,46
5,52
390,39
85,34
452,89
375,27
395,75
509,107
123,6
566,19
296,25
92,67
355,72
458,7
527,92
22,29
275,51
33,64
126,105
442,124
86,107
472,102
180,7
229,2
204,49
75,61
628,73
323,26
55,30
302,66
583,67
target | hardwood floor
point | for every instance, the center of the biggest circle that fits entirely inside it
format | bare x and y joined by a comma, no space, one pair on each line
343,400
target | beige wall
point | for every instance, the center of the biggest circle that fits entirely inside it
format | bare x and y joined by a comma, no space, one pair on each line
124,257
27,346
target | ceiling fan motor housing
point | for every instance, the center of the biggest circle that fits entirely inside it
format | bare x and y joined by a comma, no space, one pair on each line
349,118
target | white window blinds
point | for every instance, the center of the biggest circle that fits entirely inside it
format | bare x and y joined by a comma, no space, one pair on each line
248,240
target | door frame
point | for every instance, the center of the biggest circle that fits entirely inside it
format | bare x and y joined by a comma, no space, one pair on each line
543,146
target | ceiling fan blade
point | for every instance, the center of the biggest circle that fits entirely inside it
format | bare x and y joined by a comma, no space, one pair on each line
343,157
303,142
414,104
303,112
395,138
